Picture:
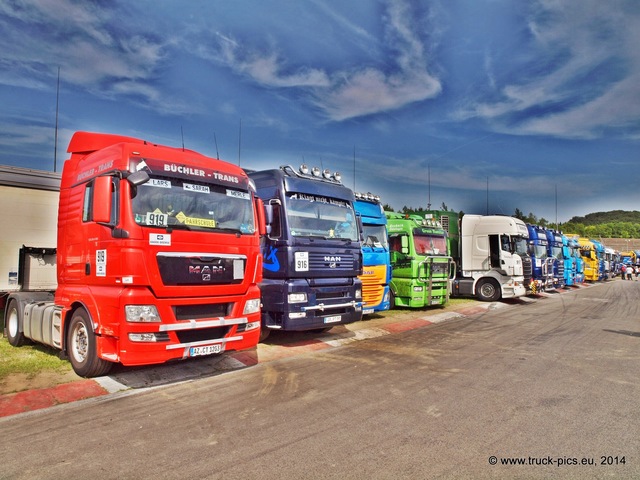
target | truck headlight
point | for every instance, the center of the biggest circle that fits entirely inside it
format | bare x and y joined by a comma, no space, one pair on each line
359,294
142,314
297,298
417,289
251,306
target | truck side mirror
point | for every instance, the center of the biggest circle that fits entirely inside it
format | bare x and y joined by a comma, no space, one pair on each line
267,213
273,218
138,178
102,193
261,214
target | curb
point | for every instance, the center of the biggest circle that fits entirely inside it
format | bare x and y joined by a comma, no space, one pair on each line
30,400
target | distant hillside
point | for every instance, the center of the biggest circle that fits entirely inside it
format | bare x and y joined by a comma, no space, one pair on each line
608,217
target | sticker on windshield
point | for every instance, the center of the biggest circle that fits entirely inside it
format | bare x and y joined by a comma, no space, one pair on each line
191,187
156,182
157,218
199,222
237,194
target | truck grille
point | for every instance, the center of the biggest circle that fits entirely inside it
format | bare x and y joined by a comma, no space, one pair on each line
197,312
338,263
201,334
527,269
201,269
373,278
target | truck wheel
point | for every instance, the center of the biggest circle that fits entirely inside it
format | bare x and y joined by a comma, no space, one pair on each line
392,300
488,290
81,347
264,333
12,322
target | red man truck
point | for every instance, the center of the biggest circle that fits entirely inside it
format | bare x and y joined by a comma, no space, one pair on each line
157,258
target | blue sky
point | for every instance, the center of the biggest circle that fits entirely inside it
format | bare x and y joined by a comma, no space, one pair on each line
462,102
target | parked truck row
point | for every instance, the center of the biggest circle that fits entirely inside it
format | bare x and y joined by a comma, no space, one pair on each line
139,253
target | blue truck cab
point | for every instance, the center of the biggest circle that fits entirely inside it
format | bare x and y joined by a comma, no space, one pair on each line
376,274
541,263
570,265
312,254
574,247
556,251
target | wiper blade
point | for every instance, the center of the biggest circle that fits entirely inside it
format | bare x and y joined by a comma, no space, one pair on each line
228,230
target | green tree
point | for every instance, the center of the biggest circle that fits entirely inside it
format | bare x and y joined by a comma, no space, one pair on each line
518,214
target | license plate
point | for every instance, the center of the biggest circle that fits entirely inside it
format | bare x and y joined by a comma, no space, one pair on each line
334,319
367,311
436,301
205,350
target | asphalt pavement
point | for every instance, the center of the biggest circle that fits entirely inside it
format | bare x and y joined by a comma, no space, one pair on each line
278,345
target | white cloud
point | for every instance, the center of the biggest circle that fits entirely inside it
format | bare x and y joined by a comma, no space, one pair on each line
79,38
267,70
588,35
353,92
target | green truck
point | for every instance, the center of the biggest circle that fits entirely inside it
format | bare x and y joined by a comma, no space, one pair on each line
420,259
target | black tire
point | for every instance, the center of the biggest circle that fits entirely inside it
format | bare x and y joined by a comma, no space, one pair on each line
392,300
12,324
81,347
264,333
488,290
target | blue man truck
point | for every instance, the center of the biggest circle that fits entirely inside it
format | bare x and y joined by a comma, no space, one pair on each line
541,263
561,261
312,255
376,273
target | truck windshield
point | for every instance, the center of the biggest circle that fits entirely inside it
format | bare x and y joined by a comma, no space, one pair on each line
538,251
376,236
174,203
556,252
317,216
520,245
426,244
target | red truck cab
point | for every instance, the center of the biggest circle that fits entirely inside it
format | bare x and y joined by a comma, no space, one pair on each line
158,257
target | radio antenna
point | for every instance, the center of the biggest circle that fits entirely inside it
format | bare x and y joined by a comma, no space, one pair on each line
216,142
182,135
55,141
429,189
239,141
354,168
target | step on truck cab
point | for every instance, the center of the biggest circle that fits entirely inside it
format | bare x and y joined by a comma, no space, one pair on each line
376,270
490,253
312,251
420,260
157,258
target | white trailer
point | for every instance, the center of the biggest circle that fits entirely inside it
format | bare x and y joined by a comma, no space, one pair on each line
492,263
29,200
